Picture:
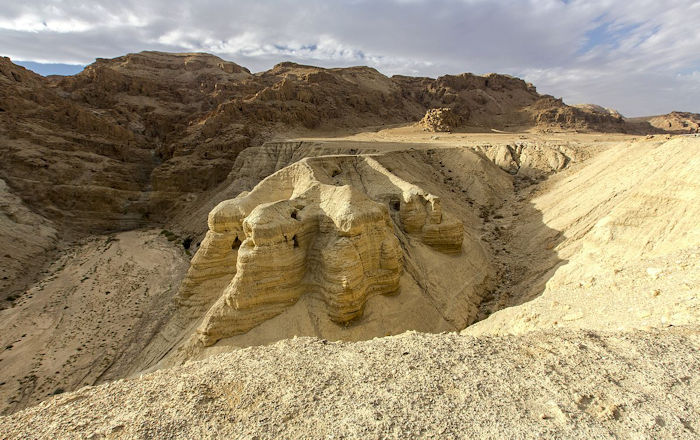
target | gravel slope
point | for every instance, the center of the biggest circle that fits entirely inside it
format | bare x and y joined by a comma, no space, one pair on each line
573,384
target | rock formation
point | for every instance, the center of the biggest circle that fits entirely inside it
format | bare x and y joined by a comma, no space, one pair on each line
552,114
440,119
333,230
677,122
526,159
146,133
308,228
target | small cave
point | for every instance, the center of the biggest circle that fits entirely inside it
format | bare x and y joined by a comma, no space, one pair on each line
236,243
294,215
335,173
395,204
295,241
187,243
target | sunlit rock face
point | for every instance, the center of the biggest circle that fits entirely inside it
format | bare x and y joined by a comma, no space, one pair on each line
325,225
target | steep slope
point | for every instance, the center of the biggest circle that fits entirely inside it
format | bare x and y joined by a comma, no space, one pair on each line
131,141
72,165
628,238
158,95
26,239
94,308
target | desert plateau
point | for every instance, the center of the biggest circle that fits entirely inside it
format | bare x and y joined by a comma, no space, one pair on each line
191,249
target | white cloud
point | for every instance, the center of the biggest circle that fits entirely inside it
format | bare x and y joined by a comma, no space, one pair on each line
640,57
34,23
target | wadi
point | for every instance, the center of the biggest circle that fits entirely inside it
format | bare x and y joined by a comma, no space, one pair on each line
193,250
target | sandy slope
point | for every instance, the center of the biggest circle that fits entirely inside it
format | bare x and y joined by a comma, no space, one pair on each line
626,240
92,311
541,385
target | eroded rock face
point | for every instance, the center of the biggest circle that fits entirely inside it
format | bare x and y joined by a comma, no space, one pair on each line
130,141
527,159
440,120
327,225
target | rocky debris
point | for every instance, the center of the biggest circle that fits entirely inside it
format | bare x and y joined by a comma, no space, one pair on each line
306,228
440,120
554,384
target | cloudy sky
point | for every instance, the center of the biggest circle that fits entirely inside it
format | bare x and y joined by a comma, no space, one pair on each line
639,56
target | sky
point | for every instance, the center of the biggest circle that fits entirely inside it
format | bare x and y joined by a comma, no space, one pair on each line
640,57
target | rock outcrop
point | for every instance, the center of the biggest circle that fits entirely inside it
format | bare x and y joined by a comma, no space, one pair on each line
26,239
529,160
677,122
550,114
440,120
310,228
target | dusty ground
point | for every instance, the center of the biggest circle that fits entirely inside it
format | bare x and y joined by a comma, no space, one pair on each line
555,384
94,308
626,239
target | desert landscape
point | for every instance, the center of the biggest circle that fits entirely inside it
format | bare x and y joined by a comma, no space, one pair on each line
193,250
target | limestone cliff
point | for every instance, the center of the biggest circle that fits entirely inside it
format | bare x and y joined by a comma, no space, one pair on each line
674,122
310,228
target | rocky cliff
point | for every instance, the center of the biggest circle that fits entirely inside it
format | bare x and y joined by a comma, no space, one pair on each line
307,229
132,140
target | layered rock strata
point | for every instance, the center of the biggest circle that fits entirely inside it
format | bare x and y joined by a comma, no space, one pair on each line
325,225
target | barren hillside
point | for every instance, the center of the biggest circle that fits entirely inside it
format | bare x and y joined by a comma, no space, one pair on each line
464,254
674,122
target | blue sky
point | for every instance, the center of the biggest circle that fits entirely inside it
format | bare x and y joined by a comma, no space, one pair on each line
51,68
638,56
